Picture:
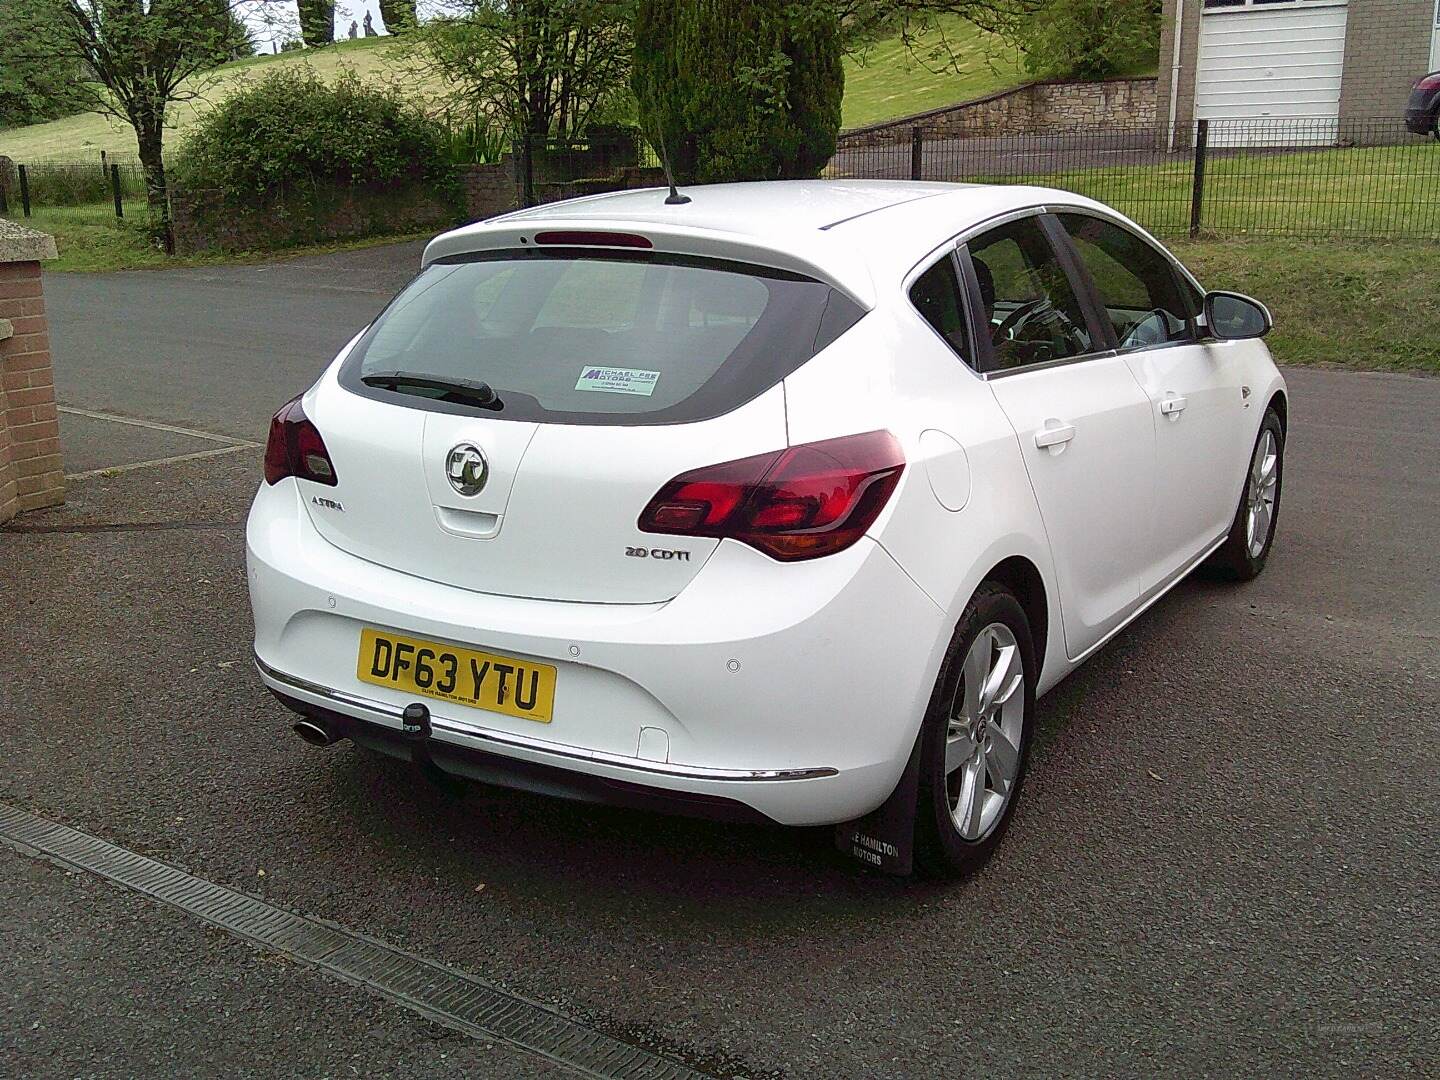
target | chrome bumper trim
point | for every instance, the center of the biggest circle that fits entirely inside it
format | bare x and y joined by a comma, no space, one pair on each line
541,746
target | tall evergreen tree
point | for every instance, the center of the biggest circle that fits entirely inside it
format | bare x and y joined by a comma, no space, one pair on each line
34,87
317,21
398,15
738,90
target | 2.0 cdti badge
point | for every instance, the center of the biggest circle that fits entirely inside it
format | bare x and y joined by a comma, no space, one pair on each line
781,504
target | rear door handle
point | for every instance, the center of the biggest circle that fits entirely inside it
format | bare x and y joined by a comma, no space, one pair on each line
1054,435
1172,406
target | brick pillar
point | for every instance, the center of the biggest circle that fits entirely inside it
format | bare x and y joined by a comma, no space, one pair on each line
31,475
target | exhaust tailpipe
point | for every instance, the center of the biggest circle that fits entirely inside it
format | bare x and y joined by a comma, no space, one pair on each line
318,732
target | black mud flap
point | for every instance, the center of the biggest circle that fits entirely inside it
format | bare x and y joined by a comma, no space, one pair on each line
884,839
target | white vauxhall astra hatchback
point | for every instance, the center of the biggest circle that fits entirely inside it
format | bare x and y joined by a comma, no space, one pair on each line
780,504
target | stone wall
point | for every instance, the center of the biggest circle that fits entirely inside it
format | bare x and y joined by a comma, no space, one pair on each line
203,221
31,474
1036,108
629,178
489,189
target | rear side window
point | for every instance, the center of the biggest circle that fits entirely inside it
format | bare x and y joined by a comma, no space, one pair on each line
580,337
936,296
1139,289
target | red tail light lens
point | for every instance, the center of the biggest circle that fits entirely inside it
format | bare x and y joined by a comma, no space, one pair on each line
295,448
799,503
593,239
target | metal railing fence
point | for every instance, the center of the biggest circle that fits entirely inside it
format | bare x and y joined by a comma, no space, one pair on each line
1266,177
26,186
1272,177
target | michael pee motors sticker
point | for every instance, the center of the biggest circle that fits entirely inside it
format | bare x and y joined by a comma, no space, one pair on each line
617,380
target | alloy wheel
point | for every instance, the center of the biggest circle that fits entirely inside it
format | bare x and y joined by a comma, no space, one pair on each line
1260,492
984,734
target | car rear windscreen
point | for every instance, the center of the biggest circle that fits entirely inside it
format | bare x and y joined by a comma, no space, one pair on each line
574,336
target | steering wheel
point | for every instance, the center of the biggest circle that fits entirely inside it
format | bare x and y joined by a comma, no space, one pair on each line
1152,329
1017,319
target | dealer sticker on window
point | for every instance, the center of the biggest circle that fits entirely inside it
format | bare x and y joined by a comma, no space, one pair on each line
617,380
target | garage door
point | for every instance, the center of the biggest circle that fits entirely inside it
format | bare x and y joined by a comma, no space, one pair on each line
1271,61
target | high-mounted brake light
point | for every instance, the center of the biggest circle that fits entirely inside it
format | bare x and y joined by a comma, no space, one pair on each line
577,238
799,503
295,448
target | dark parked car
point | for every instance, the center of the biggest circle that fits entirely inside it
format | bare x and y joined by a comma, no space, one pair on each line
1422,114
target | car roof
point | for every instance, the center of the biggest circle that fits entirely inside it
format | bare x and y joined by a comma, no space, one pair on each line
850,233
759,207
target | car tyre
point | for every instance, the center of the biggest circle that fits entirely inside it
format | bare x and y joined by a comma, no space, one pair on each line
1242,556
976,737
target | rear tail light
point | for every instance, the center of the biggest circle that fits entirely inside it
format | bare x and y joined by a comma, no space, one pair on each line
1428,82
296,449
800,503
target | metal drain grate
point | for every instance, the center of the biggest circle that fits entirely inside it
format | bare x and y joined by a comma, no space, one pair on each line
457,1001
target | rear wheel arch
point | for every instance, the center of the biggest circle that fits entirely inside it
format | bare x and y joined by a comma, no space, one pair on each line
1022,577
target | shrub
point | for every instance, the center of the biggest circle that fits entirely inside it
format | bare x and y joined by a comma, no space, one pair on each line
1089,39
292,133
477,140
736,90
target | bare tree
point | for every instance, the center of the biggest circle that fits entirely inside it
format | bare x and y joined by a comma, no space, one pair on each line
540,67
145,56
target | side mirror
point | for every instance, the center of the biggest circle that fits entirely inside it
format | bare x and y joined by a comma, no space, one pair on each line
1232,316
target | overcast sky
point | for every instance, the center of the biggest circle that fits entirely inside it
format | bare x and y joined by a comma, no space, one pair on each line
273,21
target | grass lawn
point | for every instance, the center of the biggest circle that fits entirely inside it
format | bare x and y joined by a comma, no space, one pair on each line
1373,190
83,136
1339,303
1344,303
91,238
888,83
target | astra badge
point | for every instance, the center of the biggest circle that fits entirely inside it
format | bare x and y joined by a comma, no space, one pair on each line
467,469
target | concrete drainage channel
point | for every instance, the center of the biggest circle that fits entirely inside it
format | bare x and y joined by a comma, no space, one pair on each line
457,1001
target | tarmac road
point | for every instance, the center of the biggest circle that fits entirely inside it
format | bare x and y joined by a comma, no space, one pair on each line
1225,861
215,348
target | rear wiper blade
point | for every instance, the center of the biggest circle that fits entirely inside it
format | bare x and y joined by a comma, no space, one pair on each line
465,391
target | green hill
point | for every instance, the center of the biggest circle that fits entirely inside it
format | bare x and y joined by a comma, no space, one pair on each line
892,81
886,83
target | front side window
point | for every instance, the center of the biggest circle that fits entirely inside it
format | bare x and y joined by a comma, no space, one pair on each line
1138,288
579,337
1031,309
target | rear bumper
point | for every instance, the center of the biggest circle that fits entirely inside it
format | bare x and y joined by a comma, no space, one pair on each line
1420,111
792,691
1419,121
503,771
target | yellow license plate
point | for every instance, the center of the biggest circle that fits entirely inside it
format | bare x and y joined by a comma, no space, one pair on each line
480,680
